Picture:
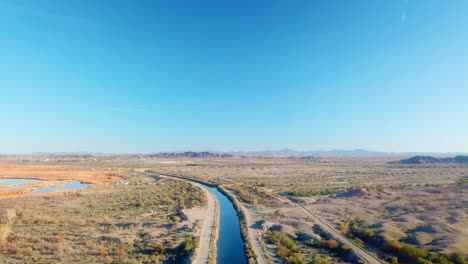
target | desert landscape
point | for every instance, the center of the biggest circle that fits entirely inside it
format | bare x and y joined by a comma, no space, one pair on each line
122,217
147,209
233,132
415,206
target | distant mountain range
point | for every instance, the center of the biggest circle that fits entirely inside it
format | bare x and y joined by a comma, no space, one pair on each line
189,154
268,153
290,152
340,153
432,160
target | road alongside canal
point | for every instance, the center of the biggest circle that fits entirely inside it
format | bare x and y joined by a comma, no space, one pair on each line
230,246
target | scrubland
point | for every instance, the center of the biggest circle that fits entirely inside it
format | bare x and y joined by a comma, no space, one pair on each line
408,213
135,219
399,213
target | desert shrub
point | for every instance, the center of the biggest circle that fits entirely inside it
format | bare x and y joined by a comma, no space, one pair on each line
283,252
296,259
365,233
4,232
423,261
344,228
103,251
318,259
458,258
290,244
249,194
307,192
393,260
392,245
436,257
287,250
463,181
411,253
358,242
190,243
329,244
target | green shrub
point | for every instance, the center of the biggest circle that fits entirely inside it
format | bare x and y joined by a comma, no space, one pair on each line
458,258
365,233
424,261
411,253
318,259
288,250
190,243
393,260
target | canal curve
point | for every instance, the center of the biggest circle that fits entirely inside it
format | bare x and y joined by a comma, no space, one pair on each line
230,245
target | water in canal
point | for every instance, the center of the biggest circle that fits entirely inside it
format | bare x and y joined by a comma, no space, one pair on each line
230,243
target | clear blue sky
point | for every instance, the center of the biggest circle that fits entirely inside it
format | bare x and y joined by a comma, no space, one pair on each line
149,76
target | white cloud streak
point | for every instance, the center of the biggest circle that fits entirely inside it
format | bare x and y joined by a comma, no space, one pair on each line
404,11
49,15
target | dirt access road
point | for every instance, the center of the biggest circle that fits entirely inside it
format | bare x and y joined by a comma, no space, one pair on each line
203,251
254,238
327,227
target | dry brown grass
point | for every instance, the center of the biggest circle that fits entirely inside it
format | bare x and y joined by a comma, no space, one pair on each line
132,223
57,172
53,174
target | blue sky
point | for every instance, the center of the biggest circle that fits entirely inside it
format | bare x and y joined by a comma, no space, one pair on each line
149,76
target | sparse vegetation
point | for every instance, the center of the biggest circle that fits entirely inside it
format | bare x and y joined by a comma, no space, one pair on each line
287,248
136,223
402,252
250,195
405,207
307,192
390,197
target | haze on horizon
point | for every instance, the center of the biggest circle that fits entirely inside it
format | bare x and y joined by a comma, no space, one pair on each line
233,75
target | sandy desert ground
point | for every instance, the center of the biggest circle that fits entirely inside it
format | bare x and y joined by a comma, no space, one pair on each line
417,205
371,203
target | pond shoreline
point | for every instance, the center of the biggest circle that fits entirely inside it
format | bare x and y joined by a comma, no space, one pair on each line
11,187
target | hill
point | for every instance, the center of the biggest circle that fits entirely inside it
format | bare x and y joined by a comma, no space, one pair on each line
299,153
432,160
189,154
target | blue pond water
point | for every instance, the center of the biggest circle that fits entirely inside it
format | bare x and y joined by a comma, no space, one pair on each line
67,186
17,181
12,184
230,244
